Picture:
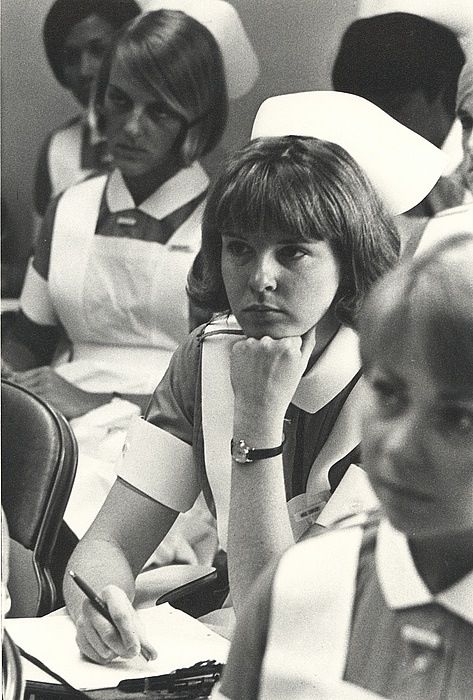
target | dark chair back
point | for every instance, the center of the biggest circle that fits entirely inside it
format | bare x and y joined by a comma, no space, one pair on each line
39,459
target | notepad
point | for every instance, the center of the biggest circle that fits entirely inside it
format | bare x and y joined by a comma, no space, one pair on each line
179,639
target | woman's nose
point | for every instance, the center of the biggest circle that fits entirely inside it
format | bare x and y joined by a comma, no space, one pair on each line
264,275
404,436
89,64
469,143
133,123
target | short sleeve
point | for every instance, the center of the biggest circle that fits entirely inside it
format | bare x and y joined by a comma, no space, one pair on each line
42,252
158,456
42,181
241,677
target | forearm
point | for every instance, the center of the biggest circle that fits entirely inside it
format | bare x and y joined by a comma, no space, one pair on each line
16,357
259,526
26,344
96,399
129,526
100,563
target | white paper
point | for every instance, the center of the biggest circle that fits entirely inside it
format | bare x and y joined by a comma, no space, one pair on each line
179,640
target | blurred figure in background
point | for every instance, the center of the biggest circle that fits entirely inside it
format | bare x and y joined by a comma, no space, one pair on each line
408,64
465,115
460,218
76,34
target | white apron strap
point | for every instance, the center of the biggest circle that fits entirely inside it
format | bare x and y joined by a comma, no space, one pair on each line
74,228
217,417
64,158
312,601
344,437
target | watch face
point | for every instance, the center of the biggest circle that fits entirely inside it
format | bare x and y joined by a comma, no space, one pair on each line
240,451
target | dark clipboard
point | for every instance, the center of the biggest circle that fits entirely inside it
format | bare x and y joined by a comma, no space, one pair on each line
188,589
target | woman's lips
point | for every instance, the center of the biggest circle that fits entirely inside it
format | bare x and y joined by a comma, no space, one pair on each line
127,150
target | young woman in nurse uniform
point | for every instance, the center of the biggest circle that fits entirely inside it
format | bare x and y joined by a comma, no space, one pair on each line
294,235
114,252
386,606
76,35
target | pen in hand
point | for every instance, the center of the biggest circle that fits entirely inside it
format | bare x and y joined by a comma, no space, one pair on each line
99,605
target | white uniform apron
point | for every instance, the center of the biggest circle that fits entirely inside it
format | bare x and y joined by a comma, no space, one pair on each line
64,158
123,304
121,300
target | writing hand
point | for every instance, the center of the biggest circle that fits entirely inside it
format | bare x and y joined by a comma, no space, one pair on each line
102,641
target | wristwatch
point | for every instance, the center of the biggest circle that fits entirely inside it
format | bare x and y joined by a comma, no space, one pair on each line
243,454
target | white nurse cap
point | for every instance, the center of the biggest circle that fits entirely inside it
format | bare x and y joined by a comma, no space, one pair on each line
222,20
402,166
456,15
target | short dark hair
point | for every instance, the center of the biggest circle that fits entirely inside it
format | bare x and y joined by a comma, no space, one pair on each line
431,296
65,14
398,52
310,188
170,54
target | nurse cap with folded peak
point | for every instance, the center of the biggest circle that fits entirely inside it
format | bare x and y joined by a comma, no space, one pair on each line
223,22
402,166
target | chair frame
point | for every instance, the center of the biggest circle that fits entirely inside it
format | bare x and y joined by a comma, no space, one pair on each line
13,682
53,510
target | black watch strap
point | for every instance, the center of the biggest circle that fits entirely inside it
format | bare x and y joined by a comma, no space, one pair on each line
243,454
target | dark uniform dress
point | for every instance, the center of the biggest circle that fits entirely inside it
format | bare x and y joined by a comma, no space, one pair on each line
403,642
189,421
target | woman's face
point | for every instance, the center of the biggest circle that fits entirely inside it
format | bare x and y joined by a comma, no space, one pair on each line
278,285
465,114
418,443
82,54
141,135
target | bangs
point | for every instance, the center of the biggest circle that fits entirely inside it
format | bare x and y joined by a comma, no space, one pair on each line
144,64
268,195
160,52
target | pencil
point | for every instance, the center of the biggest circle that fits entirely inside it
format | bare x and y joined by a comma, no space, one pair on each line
99,605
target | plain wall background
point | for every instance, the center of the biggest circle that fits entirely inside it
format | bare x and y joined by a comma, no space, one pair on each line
296,41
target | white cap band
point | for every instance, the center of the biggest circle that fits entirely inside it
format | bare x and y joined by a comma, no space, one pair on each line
222,20
402,166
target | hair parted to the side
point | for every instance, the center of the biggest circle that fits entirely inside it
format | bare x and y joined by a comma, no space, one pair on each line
170,54
431,297
311,189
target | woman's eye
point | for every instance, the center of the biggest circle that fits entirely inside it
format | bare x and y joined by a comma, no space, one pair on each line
157,114
292,252
71,56
117,99
387,394
97,48
457,419
235,247
466,121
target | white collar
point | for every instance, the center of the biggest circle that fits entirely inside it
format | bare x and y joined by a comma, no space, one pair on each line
187,184
333,370
395,566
